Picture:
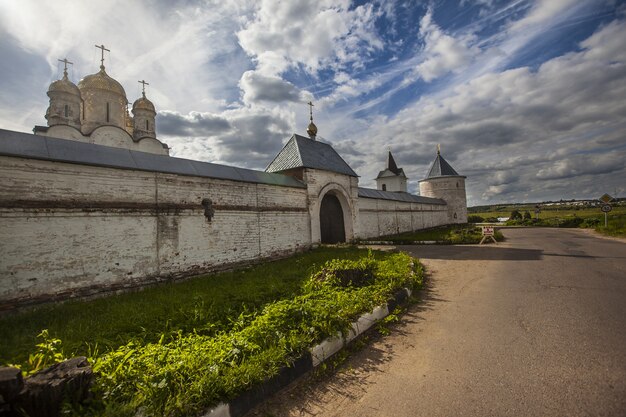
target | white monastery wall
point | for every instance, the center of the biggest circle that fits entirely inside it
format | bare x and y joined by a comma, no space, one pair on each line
76,230
71,229
379,217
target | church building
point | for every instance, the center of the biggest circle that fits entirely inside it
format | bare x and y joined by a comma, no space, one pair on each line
96,111
93,203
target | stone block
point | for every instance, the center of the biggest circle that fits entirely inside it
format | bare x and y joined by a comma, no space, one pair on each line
11,383
44,392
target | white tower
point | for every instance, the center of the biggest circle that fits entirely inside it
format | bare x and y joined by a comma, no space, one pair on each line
445,183
391,178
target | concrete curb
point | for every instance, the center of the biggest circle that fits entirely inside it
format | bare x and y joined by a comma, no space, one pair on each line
412,242
313,358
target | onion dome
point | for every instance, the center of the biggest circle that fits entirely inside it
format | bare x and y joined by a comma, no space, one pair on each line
101,81
64,85
312,130
144,104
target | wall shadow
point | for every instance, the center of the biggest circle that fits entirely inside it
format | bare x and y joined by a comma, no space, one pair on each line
471,253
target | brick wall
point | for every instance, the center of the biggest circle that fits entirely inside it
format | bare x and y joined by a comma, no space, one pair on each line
72,230
386,217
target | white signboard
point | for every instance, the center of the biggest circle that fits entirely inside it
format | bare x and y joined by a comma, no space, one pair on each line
488,233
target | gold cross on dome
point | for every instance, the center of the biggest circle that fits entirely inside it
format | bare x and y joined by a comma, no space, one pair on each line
143,86
103,49
310,103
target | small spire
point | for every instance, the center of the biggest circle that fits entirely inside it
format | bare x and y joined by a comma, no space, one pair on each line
102,59
143,87
438,149
65,61
391,163
312,129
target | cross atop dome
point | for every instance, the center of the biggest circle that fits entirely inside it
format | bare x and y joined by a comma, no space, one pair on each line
312,129
65,61
102,59
143,87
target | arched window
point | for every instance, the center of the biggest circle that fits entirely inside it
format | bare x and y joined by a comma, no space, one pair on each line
108,110
147,128
384,187
67,110
455,215
457,184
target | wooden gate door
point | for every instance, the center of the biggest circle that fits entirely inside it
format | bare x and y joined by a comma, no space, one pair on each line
331,220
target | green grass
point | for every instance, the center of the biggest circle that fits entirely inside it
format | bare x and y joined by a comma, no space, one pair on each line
196,363
616,226
563,216
455,234
206,305
547,212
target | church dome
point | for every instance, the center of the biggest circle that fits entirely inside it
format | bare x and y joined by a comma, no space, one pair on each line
312,129
64,85
144,104
101,81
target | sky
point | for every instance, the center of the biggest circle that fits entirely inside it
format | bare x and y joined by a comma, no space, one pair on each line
526,98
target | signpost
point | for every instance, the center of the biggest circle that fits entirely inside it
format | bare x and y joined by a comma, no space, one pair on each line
488,232
606,207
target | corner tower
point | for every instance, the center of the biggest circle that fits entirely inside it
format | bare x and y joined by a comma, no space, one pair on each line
445,183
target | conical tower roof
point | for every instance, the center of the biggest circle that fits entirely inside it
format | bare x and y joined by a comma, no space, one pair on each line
441,168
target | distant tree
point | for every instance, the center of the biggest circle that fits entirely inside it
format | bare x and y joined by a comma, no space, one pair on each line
527,215
516,215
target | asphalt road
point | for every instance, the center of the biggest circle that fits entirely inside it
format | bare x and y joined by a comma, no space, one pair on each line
534,326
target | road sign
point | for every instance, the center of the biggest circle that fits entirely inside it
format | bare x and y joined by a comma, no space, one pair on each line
606,208
606,198
488,233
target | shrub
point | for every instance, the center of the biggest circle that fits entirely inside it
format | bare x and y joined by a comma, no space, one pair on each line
474,218
185,373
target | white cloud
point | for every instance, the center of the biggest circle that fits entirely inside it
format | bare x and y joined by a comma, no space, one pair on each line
529,127
311,33
443,53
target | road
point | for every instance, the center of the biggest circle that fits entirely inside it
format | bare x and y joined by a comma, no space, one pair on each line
535,326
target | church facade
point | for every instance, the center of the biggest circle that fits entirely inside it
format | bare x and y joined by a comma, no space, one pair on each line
93,203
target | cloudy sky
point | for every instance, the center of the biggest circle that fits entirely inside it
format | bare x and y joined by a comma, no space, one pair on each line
527,98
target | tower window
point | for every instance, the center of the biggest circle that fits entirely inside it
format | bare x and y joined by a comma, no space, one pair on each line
147,128
108,112
67,110
384,187
457,184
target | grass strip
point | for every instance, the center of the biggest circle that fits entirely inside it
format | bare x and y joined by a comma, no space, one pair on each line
451,235
206,305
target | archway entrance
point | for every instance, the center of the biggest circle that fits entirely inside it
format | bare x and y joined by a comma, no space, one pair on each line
331,220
